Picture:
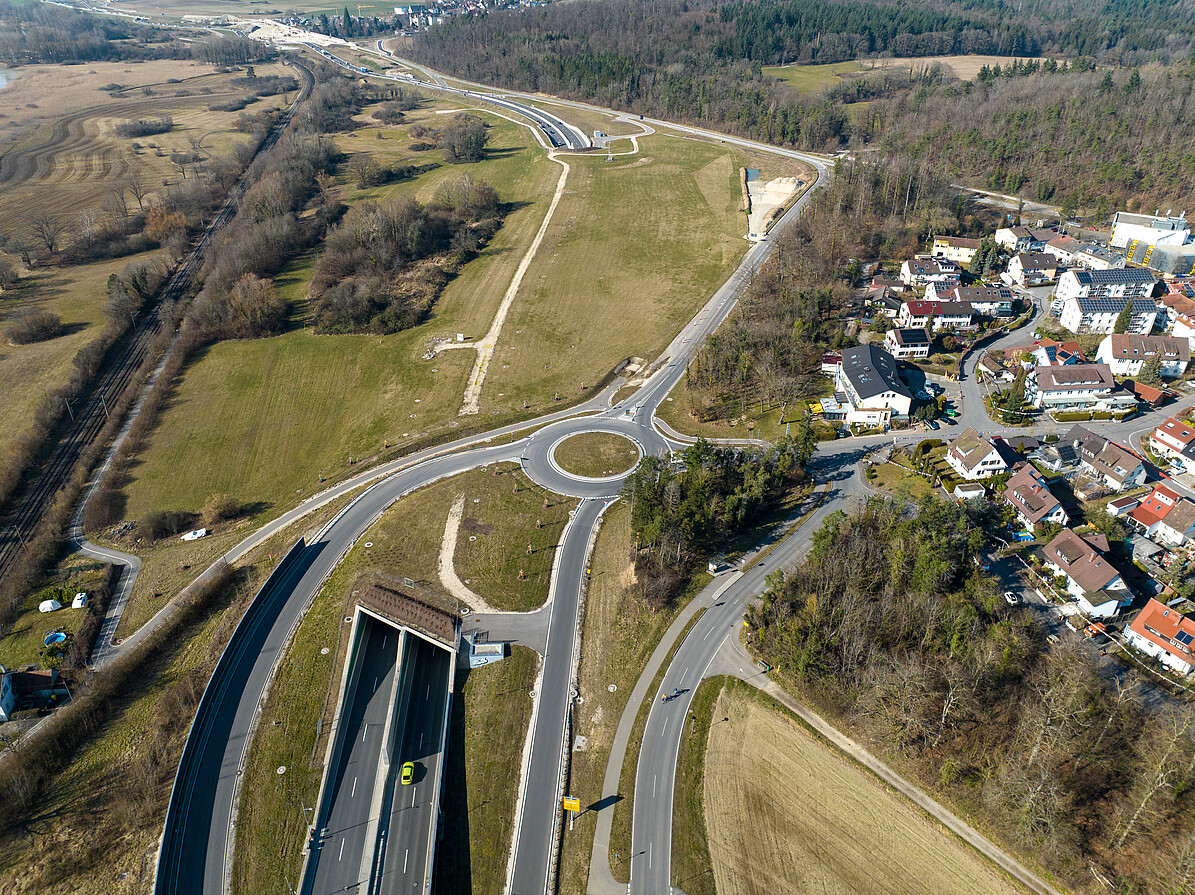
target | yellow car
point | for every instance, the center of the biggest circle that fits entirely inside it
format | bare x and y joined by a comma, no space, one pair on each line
408,773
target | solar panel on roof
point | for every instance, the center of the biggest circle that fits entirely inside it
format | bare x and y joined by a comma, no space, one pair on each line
1183,637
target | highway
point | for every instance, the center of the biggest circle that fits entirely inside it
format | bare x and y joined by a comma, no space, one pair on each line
409,812
344,832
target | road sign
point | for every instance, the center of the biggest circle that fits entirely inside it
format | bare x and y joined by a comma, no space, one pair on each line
571,804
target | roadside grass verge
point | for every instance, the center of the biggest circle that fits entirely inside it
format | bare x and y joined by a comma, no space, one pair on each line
624,811
595,454
691,867
491,711
787,813
620,633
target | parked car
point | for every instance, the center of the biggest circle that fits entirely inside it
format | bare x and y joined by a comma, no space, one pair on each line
1011,598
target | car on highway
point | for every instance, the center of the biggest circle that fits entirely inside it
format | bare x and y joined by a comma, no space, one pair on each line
408,773
1010,598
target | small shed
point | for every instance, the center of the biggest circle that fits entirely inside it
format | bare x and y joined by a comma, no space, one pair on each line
1121,506
969,491
49,606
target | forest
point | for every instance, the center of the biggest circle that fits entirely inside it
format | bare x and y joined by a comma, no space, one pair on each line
679,515
890,625
769,350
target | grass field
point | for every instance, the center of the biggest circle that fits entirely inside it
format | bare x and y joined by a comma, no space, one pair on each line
490,717
897,482
812,78
787,814
597,454
613,278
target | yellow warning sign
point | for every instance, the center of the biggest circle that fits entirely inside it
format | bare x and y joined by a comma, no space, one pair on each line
571,804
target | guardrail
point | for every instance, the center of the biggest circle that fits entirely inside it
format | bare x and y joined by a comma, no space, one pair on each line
186,830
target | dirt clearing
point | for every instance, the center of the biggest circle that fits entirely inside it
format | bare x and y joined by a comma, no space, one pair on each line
787,814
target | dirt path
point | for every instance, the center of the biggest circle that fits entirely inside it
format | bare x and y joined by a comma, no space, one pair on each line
485,348
447,571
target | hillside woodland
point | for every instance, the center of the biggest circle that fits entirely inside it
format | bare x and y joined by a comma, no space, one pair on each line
890,625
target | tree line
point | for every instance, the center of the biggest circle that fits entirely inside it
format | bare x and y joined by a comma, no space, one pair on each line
890,624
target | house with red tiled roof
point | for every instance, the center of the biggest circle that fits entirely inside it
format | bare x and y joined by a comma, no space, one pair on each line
1091,579
1148,515
1164,633
1175,438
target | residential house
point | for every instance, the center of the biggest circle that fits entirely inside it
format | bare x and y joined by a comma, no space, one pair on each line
1148,515
1164,633
906,343
1146,394
991,366
1176,314
1096,257
896,284
942,290
1099,315
1132,282
1049,353
989,301
955,248
948,315
1175,439
974,457
1032,269
1062,456
921,271
1126,353
1178,526
1015,239
1077,386
1027,493
883,300
1119,469
831,361
1090,578
1064,248
869,387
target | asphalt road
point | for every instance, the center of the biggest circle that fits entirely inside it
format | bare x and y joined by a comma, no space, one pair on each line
409,813
343,838
197,842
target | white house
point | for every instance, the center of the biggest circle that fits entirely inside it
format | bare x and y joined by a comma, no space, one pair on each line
1090,578
1032,269
1147,516
1069,387
1094,257
948,315
1016,239
1175,439
990,301
1164,633
1027,493
1063,248
974,457
1126,353
955,248
920,271
905,343
871,387
1132,282
1081,314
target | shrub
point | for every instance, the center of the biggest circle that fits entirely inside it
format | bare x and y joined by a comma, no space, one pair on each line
144,127
104,509
162,524
8,274
218,508
37,326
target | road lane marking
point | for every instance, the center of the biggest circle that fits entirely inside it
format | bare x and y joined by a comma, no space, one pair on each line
353,794
384,639
406,856
421,739
649,856
412,798
375,685
363,732
654,780
665,728
340,856
708,633
428,694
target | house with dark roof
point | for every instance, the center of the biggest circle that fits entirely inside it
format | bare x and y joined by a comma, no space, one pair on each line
1071,387
973,456
989,301
946,314
1027,493
1096,257
1127,353
1090,578
1164,633
869,387
920,271
1118,468
1016,239
904,343
1032,269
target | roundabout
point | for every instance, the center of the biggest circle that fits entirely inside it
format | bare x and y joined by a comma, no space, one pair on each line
539,458
596,456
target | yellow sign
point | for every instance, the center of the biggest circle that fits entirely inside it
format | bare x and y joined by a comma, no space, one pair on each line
571,804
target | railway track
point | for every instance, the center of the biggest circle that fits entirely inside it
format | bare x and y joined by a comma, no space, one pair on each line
85,422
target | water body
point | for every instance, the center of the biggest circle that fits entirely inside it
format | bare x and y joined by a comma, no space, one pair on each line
5,77
752,175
